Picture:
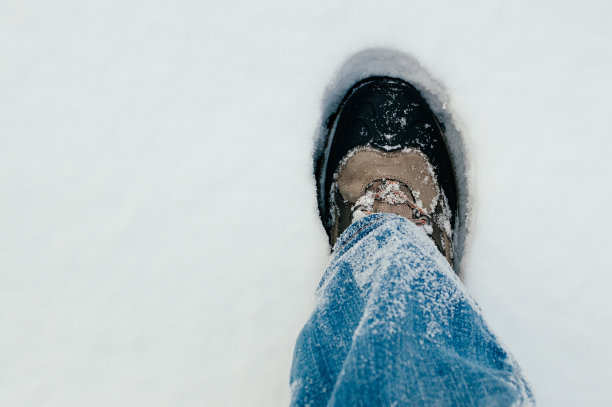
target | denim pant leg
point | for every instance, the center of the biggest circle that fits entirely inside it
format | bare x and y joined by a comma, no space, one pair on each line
394,326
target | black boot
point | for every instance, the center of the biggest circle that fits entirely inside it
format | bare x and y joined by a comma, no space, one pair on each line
385,131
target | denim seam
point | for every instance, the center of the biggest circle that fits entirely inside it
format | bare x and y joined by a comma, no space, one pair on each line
356,233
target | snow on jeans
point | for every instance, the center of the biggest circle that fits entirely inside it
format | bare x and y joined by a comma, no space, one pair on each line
394,326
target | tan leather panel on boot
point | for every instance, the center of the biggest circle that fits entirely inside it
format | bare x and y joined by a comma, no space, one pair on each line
410,167
366,169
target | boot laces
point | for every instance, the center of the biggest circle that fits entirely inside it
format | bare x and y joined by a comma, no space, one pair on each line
388,192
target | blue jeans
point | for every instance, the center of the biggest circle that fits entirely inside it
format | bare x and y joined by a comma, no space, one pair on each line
394,326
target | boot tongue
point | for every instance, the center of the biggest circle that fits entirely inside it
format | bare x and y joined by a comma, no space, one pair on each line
383,192
392,192
388,196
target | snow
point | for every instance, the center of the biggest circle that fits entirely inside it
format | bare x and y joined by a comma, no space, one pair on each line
160,238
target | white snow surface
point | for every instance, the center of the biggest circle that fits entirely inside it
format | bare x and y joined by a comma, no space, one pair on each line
159,229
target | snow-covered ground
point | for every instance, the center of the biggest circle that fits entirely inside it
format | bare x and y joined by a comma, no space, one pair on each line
160,243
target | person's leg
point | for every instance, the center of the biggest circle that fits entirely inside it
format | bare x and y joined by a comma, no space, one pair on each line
394,326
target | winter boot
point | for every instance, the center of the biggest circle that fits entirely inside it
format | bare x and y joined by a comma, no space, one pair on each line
385,152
